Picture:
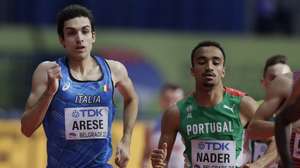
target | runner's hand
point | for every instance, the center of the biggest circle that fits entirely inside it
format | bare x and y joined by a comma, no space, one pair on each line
54,74
122,155
158,157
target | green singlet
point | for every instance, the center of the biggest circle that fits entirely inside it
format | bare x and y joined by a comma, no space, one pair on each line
213,136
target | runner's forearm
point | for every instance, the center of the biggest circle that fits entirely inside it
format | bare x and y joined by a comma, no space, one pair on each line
269,157
33,116
260,129
129,118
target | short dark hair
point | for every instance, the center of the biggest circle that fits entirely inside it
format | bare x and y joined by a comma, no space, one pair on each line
70,12
273,60
207,44
169,86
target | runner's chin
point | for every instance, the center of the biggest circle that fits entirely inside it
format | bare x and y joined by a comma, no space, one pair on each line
209,84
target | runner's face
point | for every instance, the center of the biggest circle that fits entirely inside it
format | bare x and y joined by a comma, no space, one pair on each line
78,37
208,68
273,71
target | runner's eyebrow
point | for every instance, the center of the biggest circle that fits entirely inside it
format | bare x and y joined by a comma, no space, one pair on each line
73,28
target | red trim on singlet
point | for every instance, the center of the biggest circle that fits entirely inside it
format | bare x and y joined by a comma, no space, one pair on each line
296,75
296,161
234,92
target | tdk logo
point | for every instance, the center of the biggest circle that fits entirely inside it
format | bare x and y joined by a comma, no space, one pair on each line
87,113
213,146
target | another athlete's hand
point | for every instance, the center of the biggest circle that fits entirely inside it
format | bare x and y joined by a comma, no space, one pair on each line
248,165
54,74
253,165
158,157
122,154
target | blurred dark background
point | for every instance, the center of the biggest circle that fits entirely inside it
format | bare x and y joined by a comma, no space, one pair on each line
152,38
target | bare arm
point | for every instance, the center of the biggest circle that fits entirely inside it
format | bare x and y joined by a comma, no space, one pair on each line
276,94
248,107
169,129
289,114
124,84
44,86
269,157
259,127
147,149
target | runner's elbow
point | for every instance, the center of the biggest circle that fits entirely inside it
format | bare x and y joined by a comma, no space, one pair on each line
25,130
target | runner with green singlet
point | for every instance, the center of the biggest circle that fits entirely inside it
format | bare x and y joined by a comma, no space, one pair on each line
211,120
213,136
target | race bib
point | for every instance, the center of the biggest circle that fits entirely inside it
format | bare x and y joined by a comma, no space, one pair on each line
259,149
296,152
213,153
86,123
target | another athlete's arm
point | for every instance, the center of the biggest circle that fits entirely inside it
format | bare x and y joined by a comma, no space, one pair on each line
276,94
125,86
44,86
147,149
289,114
248,107
169,128
268,158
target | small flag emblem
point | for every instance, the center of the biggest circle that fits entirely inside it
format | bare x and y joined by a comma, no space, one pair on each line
104,88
